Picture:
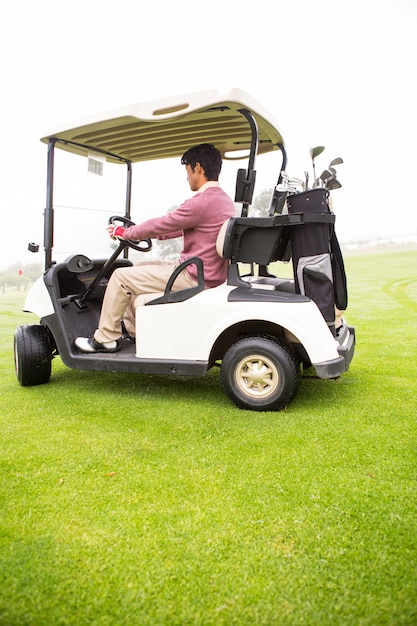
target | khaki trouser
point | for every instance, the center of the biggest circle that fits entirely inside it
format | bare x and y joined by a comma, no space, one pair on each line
128,282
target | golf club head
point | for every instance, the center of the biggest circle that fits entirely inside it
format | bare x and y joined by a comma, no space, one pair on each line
326,174
333,184
328,180
314,152
336,161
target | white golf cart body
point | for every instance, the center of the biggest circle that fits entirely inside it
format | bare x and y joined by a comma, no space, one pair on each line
257,328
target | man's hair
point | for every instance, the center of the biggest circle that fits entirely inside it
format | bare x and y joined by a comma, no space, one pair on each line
209,158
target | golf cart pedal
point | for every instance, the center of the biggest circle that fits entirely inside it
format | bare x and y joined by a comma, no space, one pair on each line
79,303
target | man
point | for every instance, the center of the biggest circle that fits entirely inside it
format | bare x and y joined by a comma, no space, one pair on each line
198,220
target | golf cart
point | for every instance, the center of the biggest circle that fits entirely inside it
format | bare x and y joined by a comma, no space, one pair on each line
262,330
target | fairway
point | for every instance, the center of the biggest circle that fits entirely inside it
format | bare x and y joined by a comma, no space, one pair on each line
140,500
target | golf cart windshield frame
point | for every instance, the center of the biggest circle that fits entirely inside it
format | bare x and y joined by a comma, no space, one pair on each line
49,207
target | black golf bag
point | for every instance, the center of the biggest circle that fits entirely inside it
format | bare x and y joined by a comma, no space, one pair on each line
317,260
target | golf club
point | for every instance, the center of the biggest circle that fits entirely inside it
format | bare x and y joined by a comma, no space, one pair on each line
290,183
314,152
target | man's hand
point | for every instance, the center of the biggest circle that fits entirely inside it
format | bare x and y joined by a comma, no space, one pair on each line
116,231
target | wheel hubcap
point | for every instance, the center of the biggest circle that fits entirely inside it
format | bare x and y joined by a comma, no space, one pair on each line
257,376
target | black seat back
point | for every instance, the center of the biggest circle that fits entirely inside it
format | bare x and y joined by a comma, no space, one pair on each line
254,240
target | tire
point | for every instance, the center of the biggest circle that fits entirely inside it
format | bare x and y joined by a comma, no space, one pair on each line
260,374
32,355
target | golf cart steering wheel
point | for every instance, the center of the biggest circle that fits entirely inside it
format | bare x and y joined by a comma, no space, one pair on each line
136,245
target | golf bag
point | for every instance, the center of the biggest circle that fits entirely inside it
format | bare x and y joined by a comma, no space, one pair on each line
317,260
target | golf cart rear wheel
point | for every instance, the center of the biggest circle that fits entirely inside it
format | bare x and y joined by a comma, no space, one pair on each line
32,354
260,374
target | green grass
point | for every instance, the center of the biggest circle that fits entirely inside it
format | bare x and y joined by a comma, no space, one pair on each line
139,500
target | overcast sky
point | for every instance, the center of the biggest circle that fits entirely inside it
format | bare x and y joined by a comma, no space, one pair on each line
336,73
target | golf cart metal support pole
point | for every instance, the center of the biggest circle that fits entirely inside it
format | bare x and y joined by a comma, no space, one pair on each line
48,233
278,197
284,161
128,199
252,154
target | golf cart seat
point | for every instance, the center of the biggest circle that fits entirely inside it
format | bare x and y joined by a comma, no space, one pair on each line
257,241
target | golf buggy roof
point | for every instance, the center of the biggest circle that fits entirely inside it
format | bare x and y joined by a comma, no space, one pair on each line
167,128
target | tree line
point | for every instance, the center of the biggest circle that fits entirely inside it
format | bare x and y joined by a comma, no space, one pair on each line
19,277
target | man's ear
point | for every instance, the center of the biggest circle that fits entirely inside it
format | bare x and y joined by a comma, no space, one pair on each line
199,169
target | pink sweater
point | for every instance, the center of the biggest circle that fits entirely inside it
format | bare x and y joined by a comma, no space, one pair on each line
198,220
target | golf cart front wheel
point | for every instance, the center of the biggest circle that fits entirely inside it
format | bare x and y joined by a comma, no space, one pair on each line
32,354
260,374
